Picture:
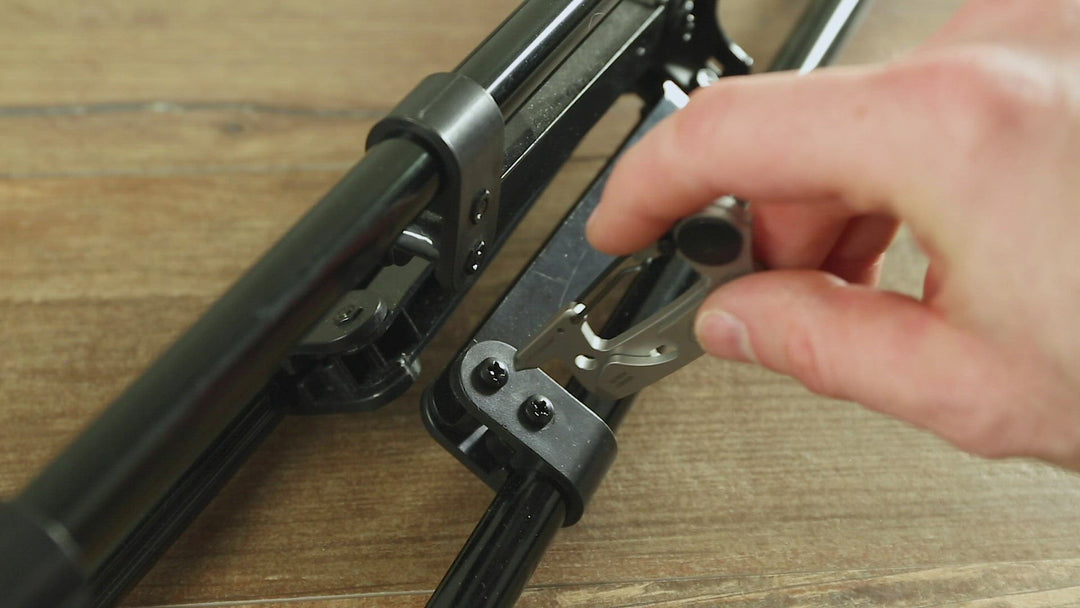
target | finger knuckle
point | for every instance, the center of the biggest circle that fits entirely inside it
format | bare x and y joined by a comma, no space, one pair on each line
980,101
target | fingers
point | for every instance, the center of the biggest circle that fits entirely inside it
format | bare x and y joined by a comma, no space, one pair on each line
796,234
823,235
858,254
776,136
892,354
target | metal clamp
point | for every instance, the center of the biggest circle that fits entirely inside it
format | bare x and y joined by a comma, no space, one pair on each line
716,243
459,122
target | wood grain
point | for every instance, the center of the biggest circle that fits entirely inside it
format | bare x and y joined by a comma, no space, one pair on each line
149,151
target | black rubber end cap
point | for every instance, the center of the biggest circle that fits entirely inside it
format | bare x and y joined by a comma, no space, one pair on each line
35,572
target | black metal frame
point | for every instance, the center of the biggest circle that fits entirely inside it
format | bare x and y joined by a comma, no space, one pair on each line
334,317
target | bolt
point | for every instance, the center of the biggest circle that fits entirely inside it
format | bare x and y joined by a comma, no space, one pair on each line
480,206
347,314
706,77
492,373
476,257
537,411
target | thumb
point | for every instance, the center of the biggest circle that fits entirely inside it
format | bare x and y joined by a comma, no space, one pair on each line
892,354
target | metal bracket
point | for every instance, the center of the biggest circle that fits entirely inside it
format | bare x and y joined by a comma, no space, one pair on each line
462,126
716,243
543,425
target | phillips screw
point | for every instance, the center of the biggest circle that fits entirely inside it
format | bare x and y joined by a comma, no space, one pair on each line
480,206
492,373
475,258
537,411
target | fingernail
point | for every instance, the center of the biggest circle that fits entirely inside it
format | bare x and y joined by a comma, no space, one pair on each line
722,334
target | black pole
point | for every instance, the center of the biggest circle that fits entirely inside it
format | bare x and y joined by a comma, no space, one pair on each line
116,470
505,547
523,51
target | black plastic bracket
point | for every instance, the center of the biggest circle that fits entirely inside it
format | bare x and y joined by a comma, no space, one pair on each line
461,125
344,364
543,425
698,50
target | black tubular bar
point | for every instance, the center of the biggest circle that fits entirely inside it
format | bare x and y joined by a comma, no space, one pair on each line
104,485
814,41
155,456
505,547
523,51
119,467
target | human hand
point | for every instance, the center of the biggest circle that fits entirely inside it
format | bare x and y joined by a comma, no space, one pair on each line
974,142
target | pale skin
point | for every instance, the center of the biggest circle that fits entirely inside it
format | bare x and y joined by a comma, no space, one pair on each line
973,141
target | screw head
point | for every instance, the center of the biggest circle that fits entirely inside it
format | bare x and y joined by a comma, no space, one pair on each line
480,206
347,314
476,257
492,373
537,411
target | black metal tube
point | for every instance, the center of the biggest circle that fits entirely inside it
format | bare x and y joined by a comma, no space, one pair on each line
819,34
108,480
505,547
100,487
522,52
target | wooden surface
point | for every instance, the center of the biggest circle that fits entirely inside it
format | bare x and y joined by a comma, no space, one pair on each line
150,150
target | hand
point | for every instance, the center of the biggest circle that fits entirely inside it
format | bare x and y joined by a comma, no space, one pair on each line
974,142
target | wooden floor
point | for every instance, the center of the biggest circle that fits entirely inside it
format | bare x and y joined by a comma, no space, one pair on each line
149,151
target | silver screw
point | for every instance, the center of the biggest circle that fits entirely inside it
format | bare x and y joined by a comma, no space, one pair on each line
347,314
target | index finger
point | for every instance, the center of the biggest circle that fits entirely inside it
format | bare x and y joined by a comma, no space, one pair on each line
776,136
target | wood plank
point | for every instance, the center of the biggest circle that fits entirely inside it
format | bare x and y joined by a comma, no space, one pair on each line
209,138
334,53
1036,584
179,139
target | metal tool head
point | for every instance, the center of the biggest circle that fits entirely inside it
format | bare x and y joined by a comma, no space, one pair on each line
716,242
